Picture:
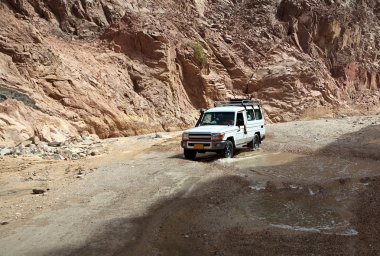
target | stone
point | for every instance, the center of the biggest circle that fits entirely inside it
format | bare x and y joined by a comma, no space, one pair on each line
67,154
42,144
45,147
17,151
87,142
270,186
258,186
54,144
26,143
365,180
84,135
216,26
343,181
58,157
38,191
33,149
6,151
19,16
80,173
227,39
75,157
36,140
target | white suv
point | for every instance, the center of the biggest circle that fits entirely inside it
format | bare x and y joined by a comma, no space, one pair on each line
230,125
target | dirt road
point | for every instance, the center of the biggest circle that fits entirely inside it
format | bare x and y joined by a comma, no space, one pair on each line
312,189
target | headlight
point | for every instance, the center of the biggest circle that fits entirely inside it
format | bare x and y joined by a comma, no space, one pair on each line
185,136
217,136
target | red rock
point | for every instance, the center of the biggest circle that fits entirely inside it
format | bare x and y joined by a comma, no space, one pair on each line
72,66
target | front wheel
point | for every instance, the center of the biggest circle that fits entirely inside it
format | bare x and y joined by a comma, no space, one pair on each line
228,151
190,154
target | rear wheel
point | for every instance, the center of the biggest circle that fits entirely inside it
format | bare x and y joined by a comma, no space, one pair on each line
190,154
255,143
228,151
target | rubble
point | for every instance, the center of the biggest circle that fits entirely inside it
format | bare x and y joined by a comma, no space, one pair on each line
68,150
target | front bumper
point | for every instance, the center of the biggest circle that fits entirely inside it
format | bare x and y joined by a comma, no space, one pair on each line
203,146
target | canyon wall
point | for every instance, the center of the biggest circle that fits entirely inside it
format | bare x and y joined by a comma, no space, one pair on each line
120,68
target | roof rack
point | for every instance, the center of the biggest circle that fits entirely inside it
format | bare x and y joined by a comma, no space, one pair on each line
237,102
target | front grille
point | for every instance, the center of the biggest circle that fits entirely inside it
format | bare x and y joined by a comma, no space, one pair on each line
200,136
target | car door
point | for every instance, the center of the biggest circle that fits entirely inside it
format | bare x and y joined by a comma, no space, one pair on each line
252,125
259,121
241,136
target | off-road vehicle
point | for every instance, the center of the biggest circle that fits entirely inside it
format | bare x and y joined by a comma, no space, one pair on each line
229,125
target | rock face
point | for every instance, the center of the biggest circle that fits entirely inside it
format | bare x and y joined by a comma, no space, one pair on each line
119,68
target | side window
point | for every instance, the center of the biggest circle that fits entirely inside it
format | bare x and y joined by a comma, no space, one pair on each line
239,117
258,114
250,115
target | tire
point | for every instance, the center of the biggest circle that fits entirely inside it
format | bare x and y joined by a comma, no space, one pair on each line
255,143
190,154
228,151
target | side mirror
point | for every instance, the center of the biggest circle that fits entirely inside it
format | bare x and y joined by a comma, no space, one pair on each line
202,112
239,122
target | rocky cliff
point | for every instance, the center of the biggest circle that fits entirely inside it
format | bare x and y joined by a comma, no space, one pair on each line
118,68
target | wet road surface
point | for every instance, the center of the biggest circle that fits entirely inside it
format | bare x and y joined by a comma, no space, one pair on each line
146,199
272,203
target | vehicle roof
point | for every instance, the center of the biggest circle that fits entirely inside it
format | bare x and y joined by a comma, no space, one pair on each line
227,109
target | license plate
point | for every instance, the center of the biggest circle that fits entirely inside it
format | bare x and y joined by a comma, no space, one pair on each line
198,146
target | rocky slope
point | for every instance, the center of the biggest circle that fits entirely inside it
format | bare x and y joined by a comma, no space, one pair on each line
118,68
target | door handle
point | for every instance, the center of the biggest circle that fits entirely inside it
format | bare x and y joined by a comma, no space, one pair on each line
262,126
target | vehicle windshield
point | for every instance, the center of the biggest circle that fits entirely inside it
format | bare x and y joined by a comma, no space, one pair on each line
218,118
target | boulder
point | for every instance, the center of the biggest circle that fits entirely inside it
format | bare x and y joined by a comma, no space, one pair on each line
6,151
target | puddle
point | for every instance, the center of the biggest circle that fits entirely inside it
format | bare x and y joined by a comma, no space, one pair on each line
332,229
259,158
297,209
300,167
313,194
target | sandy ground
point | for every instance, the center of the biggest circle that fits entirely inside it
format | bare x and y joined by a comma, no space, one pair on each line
312,189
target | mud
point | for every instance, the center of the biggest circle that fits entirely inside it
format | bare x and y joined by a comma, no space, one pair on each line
274,203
